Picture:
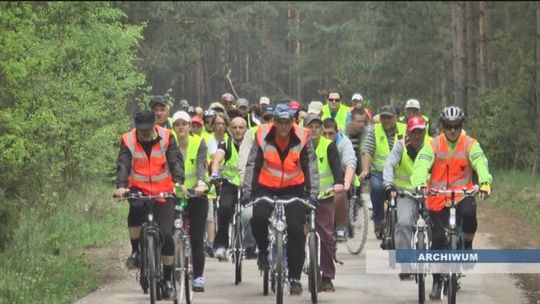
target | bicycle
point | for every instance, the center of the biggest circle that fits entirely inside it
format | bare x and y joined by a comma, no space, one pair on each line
235,232
311,263
277,236
182,254
388,240
151,273
357,226
454,239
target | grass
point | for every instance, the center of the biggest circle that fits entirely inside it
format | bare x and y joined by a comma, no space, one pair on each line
517,191
44,264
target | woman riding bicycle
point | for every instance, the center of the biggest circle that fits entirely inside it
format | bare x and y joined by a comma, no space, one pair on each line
451,158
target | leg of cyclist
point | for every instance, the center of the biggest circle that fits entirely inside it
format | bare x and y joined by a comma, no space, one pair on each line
136,217
467,214
439,220
341,214
407,212
198,211
324,222
259,227
248,241
296,242
227,202
378,195
164,216
210,228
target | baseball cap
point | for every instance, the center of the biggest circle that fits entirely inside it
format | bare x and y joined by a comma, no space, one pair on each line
311,117
268,111
264,100
183,103
197,120
283,111
357,96
416,122
242,102
412,104
315,107
183,115
387,110
158,99
145,120
294,105
216,106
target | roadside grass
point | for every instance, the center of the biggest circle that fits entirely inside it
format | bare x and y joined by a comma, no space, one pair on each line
44,262
517,191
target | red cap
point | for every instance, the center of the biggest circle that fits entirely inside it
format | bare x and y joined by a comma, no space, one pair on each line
294,105
416,122
196,120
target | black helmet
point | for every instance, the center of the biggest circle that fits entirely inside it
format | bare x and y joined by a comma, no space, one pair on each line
452,114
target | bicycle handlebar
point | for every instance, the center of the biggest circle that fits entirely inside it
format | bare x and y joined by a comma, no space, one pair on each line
140,195
465,191
280,201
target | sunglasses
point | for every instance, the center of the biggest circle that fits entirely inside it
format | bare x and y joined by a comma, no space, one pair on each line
452,127
334,99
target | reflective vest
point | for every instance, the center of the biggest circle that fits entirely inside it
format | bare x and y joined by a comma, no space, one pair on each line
190,162
382,148
150,174
404,169
326,178
277,174
341,115
253,130
450,170
230,167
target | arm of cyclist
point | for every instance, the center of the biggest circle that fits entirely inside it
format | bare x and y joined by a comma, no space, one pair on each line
218,159
368,150
123,167
243,154
201,169
480,164
310,168
335,166
348,160
392,161
252,171
422,166
175,161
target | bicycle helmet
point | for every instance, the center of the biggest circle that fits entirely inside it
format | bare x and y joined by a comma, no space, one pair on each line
209,114
227,97
452,114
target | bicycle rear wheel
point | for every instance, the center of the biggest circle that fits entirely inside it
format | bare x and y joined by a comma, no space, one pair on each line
313,268
237,254
420,277
279,267
151,263
357,229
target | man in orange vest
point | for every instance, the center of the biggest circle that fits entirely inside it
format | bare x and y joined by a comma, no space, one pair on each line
282,162
150,162
450,158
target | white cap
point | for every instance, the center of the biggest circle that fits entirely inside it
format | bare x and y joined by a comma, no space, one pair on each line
357,96
214,105
183,115
412,103
315,107
264,100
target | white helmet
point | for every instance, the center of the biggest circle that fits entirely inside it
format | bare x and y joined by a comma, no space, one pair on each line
452,114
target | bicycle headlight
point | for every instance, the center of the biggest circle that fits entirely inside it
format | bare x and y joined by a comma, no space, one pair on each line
452,220
177,223
280,226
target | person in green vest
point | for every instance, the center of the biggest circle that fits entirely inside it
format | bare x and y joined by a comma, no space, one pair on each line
330,183
336,110
377,146
412,109
398,169
226,161
193,149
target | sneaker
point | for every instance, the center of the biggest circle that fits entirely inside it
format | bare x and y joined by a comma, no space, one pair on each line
406,276
250,253
209,250
198,285
436,290
340,235
295,288
262,260
221,254
468,245
133,261
168,290
379,231
327,285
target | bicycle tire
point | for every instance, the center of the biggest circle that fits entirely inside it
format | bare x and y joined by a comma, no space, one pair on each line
188,275
392,220
265,282
238,251
357,227
421,245
313,269
279,267
151,263
179,268
452,284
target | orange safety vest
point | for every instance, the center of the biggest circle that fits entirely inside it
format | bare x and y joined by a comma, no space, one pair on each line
452,171
150,174
276,174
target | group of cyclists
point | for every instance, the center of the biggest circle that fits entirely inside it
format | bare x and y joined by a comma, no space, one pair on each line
317,153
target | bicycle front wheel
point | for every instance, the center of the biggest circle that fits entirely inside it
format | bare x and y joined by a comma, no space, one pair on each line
151,263
313,268
420,277
278,269
452,280
357,229
237,250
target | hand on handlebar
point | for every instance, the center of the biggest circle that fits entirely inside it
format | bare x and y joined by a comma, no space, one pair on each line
313,201
422,190
120,192
201,188
485,191
339,188
363,175
390,190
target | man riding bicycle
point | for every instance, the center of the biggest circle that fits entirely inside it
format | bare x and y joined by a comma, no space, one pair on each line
282,162
448,162
150,162
396,175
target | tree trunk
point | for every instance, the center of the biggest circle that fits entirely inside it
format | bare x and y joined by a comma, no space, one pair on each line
459,58
483,46
265,43
472,77
537,81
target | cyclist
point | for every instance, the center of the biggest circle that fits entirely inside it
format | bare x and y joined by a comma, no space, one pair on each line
196,125
379,142
160,106
396,175
336,110
282,162
193,149
448,162
207,130
357,104
228,102
412,109
356,131
348,165
242,107
149,162
227,153
330,176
